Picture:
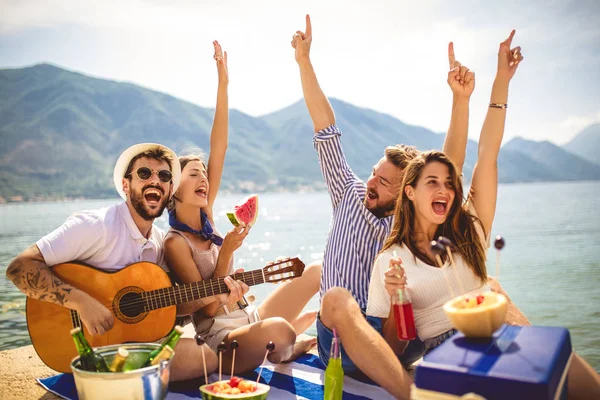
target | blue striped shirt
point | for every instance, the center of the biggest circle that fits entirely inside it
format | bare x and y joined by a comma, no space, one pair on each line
356,235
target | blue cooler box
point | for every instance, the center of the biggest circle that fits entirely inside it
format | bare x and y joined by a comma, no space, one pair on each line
517,363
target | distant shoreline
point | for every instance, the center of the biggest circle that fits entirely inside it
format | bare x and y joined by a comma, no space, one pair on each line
270,190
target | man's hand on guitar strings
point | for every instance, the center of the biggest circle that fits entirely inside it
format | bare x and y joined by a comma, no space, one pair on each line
95,317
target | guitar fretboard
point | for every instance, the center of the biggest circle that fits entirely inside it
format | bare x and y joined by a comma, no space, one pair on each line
174,295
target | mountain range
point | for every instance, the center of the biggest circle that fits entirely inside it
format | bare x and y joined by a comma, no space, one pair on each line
61,133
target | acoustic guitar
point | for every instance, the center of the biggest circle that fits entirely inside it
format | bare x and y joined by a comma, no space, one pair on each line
141,298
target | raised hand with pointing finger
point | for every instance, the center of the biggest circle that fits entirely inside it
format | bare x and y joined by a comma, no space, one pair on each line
508,58
301,41
460,78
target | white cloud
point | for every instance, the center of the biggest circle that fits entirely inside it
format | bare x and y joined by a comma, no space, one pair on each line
574,124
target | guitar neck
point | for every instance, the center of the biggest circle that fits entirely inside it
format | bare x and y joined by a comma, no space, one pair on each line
174,295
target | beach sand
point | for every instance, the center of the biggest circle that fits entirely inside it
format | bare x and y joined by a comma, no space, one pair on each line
18,370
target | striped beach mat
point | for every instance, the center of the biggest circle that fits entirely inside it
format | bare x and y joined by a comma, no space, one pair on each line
301,379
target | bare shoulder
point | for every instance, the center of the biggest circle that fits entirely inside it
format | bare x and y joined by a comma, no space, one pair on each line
174,241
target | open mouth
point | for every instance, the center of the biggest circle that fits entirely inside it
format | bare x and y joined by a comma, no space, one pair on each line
439,207
201,192
371,195
152,196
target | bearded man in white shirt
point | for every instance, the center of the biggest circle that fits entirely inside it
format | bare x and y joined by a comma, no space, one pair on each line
145,175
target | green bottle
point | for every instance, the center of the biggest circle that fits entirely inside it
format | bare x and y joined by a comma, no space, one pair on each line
164,355
334,373
89,360
171,341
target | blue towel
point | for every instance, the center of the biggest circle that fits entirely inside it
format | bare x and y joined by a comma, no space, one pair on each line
302,379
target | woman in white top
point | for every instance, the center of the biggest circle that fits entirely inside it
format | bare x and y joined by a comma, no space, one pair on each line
195,251
431,205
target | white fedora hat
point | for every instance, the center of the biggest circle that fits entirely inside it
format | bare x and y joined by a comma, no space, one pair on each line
126,157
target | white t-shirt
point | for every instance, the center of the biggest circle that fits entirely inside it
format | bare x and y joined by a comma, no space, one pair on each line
427,288
106,238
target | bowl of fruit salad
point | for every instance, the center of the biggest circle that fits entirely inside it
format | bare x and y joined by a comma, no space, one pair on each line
235,388
477,315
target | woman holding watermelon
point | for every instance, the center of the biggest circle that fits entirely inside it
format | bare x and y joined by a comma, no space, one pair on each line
196,251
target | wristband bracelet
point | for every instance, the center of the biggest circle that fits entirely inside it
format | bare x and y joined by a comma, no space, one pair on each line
498,105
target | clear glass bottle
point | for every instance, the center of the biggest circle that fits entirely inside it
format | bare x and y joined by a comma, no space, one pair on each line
403,314
334,373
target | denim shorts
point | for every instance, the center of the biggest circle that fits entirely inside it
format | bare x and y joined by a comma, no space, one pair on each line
412,353
434,342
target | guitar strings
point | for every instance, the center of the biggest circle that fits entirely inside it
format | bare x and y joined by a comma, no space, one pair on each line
156,297
162,297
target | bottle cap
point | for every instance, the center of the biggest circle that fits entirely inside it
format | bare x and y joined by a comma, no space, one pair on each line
178,329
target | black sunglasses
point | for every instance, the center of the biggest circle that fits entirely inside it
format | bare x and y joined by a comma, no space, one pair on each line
144,173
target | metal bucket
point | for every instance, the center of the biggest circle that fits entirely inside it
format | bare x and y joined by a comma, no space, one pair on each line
150,383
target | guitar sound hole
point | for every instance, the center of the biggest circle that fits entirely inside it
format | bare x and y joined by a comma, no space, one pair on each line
131,305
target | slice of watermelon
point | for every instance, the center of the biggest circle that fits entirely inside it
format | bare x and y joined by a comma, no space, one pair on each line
246,211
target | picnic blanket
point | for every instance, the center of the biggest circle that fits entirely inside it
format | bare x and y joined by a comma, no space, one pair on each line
301,379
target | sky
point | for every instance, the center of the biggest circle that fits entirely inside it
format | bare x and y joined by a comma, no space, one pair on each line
386,55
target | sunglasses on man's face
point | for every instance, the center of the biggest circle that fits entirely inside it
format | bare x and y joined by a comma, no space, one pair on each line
144,173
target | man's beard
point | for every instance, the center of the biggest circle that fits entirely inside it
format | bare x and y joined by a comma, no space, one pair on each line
382,210
137,201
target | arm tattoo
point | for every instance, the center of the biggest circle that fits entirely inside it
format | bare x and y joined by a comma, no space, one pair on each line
37,281
15,274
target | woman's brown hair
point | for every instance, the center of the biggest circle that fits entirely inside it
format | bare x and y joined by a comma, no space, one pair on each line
459,227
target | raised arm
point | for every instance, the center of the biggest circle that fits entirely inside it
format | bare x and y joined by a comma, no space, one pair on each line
484,185
318,106
462,82
336,171
220,131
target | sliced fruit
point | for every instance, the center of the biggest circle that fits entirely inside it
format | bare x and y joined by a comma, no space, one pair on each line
246,211
234,381
214,391
477,320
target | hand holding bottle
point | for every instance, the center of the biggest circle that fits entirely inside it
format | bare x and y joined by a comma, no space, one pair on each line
395,284
395,278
